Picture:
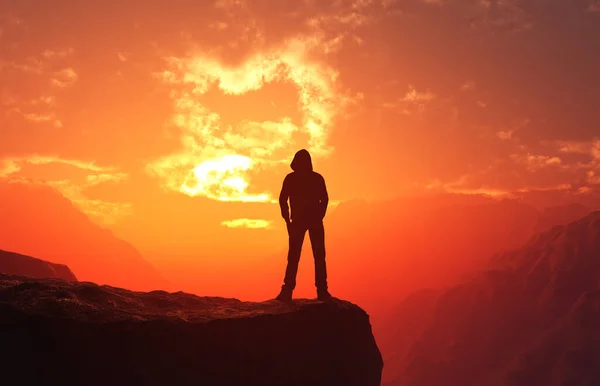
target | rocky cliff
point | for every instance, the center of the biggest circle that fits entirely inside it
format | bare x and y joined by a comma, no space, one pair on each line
530,321
60,333
16,264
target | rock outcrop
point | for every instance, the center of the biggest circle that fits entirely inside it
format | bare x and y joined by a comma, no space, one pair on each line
16,264
59,333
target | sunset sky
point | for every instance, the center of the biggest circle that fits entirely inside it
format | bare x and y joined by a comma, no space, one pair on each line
173,123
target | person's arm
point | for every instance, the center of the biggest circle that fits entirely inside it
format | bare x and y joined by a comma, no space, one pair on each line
283,200
324,198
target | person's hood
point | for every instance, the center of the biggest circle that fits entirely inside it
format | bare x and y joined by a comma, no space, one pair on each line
302,161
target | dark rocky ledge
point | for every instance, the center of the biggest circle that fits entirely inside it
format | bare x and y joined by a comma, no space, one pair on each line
59,333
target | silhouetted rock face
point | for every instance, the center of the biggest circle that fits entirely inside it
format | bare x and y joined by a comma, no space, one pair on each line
59,333
17,264
534,322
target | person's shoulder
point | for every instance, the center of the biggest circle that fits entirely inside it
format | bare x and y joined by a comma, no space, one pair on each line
318,175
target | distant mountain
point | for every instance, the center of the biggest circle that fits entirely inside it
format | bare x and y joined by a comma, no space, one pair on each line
404,326
413,243
38,221
532,321
402,245
21,265
560,215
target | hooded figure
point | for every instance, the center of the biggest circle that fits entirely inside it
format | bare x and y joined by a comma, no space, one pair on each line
302,161
308,198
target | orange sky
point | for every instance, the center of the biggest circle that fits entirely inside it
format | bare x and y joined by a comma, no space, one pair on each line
173,123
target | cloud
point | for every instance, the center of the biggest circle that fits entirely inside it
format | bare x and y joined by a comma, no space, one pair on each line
412,102
217,159
41,63
483,16
505,134
105,212
54,54
39,70
412,95
459,186
522,167
123,56
95,179
508,133
570,168
222,179
500,15
351,17
534,162
64,78
97,174
589,148
595,149
8,167
32,66
228,4
45,160
46,100
578,147
246,223
468,86
220,25
593,177
467,184
550,188
40,118
244,51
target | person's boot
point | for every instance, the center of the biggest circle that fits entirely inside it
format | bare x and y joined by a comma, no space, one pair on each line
323,294
285,295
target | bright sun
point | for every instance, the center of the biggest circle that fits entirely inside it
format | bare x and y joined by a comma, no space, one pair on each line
222,179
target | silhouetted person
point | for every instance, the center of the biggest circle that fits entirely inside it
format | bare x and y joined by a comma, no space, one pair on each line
308,197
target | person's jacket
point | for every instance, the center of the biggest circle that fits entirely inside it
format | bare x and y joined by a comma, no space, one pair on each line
306,191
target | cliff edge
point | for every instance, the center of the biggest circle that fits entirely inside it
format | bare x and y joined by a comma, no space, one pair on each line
57,332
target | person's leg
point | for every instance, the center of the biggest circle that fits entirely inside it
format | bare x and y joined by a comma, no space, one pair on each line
296,239
317,241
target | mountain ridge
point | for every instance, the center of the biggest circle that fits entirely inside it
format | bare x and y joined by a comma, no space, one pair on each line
44,223
12,263
495,327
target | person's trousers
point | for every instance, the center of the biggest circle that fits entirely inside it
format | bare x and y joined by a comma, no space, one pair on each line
296,233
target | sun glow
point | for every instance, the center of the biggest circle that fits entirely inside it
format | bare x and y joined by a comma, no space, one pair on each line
217,157
222,179
246,223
